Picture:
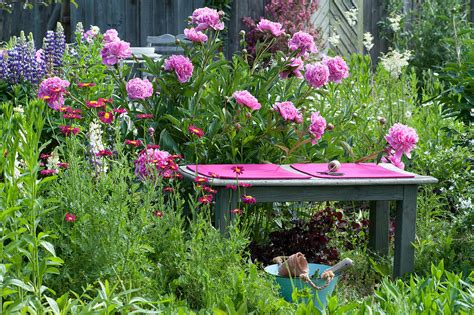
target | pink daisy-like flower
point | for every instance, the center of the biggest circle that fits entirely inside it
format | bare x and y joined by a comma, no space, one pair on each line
209,190
120,111
72,116
63,165
106,100
201,180
245,185
104,153
195,36
48,172
268,26
293,69
69,130
95,104
155,146
303,42
158,214
70,217
198,132
316,75
45,156
249,200
181,65
205,18
111,35
236,211
338,68
106,117
85,84
213,175
206,199
238,170
139,89
245,98
288,111
168,189
52,91
317,127
229,186
144,116
402,139
115,51
134,143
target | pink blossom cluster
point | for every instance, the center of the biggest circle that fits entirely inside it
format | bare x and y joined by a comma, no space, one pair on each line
268,26
181,65
52,91
111,35
139,89
317,74
401,140
317,127
153,161
205,18
115,51
294,15
245,98
293,68
195,36
288,111
338,68
303,43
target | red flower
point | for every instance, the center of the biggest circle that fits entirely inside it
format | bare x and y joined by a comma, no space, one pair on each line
229,186
95,104
120,110
106,117
245,185
85,84
209,190
236,211
144,116
70,217
238,169
158,214
48,172
201,180
72,116
206,199
247,199
153,146
45,156
106,100
213,175
168,189
178,176
68,130
135,143
104,153
66,109
63,165
195,131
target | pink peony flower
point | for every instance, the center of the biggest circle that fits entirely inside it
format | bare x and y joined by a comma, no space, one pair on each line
111,36
317,127
115,51
402,139
205,18
268,26
195,36
52,91
316,74
181,65
303,42
293,69
288,111
245,98
139,89
395,160
151,162
338,68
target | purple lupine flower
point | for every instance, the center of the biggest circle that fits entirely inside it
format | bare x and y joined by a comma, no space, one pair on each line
59,45
48,51
3,65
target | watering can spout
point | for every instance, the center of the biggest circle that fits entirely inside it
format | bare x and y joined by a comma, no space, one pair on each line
341,266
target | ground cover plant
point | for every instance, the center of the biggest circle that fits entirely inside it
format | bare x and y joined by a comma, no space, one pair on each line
95,217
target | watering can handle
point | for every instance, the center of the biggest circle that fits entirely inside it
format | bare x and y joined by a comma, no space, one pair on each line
341,266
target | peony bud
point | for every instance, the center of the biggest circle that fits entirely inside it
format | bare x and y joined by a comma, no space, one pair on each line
237,126
330,127
244,51
242,33
151,131
178,41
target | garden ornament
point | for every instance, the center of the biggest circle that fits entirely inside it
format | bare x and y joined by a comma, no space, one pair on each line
333,167
296,265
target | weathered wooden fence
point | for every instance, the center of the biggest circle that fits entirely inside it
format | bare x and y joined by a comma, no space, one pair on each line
136,19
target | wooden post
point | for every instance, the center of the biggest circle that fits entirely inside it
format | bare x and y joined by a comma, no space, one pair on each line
379,226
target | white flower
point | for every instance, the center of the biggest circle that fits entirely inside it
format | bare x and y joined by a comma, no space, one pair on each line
368,41
407,114
394,61
52,161
465,204
395,22
95,146
95,29
79,28
351,16
335,39
18,109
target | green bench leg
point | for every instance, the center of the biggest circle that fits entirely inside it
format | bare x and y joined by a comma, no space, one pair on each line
379,226
226,200
405,222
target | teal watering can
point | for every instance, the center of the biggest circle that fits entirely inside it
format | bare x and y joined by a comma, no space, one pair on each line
287,285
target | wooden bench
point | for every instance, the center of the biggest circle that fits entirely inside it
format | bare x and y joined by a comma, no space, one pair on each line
166,44
380,192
